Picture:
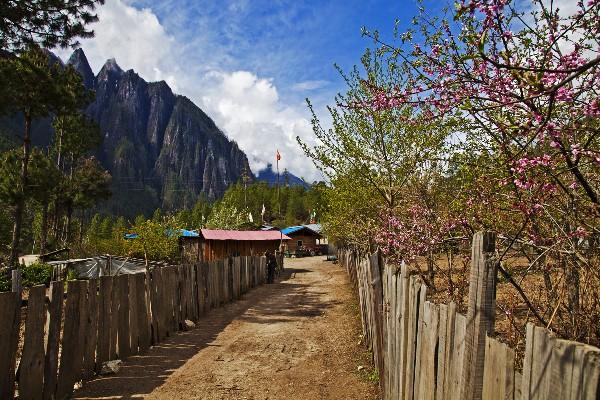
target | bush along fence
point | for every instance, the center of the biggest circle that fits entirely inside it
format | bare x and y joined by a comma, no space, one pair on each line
428,351
109,318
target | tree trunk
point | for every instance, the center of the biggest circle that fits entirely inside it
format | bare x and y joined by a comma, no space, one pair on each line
69,216
58,156
55,222
431,269
572,282
81,222
450,265
20,205
68,224
44,230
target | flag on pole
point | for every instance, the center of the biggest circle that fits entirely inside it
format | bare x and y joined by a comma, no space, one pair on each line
278,157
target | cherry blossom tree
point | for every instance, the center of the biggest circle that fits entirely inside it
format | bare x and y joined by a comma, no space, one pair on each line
524,80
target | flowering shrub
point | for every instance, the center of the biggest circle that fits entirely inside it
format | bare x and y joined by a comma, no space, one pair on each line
419,233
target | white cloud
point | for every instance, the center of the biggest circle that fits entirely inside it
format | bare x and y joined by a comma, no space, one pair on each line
309,85
249,110
246,107
135,38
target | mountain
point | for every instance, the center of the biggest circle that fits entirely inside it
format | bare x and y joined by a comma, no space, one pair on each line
160,148
285,178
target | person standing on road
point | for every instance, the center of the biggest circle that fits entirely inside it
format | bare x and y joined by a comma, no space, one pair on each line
271,265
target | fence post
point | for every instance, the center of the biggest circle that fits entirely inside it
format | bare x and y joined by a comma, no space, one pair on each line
16,281
377,308
10,310
480,314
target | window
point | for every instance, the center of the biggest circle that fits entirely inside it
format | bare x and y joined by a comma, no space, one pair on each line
299,243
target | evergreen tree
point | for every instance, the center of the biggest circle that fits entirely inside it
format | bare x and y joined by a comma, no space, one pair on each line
106,227
36,88
47,22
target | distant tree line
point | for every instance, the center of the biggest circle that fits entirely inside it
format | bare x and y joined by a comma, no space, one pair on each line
156,237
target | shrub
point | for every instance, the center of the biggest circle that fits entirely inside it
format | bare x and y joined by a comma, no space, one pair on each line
4,282
36,274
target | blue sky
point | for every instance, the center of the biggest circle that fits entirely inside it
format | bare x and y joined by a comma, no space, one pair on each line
248,63
292,42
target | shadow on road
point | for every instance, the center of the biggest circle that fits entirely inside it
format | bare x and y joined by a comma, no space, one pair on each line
281,302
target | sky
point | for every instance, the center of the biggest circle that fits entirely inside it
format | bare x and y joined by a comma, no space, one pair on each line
249,64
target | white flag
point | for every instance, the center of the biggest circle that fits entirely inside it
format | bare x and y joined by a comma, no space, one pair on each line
250,217
263,210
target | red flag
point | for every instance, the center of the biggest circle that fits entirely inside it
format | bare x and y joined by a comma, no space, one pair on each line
278,155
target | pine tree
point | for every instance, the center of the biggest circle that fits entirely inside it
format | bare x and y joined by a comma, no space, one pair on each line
36,88
49,23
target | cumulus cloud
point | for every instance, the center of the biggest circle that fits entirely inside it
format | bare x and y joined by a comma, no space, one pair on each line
246,107
135,38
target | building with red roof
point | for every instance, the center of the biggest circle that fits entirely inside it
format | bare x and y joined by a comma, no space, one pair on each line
217,244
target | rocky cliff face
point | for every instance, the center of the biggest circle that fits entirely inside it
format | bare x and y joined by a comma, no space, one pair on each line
161,149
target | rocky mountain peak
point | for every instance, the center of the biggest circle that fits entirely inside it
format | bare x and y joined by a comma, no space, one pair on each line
110,70
161,149
80,62
111,64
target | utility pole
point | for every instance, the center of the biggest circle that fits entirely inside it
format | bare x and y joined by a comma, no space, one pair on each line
278,157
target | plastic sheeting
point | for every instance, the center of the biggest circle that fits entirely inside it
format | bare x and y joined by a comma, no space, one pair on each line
94,267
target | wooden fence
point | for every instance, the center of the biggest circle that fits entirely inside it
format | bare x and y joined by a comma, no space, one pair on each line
429,351
109,318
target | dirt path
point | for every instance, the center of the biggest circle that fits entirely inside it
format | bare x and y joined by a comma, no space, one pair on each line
296,339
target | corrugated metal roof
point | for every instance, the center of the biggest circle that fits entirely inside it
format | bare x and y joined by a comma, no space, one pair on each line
186,233
168,232
314,227
217,234
293,229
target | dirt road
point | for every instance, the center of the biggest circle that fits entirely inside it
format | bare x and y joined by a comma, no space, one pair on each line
295,339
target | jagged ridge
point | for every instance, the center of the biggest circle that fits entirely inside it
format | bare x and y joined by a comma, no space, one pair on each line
161,149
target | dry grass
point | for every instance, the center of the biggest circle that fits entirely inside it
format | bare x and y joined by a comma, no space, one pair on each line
512,313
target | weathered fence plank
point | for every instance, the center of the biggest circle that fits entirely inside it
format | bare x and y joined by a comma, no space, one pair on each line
442,352
389,302
499,371
450,337
402,332
428,334
15,282
156,304
91,331
107,318
143,316
481,311
123,317
53,323
104,321
417,293
590,388
71,359
429,350
31,367
10,309
377,309
114,318
133,314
